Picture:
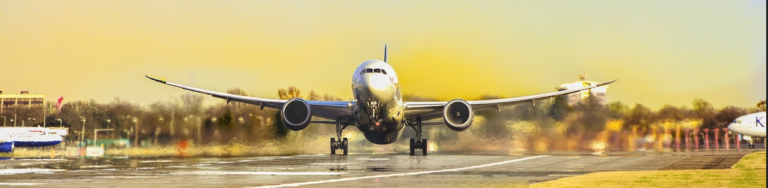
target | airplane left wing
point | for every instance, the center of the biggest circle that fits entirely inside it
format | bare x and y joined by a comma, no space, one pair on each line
432,110
325,109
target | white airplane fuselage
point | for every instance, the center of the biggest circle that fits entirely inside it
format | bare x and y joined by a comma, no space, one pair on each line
11,137
379,107
750,125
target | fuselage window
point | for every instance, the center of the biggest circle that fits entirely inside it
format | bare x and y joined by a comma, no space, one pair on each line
377,70
383,71
368,70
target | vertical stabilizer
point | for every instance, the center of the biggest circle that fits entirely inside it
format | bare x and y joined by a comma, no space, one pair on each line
385,53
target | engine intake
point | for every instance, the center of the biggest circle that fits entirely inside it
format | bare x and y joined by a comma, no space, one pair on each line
458,115
296,114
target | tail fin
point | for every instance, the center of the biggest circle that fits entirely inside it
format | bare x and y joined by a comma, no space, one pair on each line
385,53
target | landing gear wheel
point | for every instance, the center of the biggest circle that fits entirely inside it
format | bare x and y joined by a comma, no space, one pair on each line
333,146
345,146
413,146
418,142
342,144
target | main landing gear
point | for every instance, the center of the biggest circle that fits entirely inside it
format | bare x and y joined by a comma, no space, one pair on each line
418,142
340,144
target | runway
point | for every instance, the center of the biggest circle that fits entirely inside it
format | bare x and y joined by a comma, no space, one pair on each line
355,170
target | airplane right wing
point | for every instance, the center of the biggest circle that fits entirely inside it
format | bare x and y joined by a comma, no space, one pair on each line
432,110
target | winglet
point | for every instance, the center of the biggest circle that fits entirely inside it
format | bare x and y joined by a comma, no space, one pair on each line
155,79
606,83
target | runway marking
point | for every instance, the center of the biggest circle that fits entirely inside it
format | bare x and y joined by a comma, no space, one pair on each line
372,159
24,171
400,174
21,184
263,173
156,161
328,164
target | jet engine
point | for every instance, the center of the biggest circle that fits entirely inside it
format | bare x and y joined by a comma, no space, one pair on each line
296,114
458,115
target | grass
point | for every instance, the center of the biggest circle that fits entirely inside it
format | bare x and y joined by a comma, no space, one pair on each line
748,172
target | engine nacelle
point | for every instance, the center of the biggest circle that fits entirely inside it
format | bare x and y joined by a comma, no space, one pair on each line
458,115
296,114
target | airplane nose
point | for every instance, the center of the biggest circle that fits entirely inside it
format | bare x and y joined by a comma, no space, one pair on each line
377,82
379,86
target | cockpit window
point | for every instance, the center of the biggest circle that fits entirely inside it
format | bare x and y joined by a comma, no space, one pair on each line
383,71
368,70
377,70
362,71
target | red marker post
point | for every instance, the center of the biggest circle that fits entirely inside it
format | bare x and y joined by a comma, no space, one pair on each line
726,141
696,138
664,136
706,139
717,135
687,139
677,138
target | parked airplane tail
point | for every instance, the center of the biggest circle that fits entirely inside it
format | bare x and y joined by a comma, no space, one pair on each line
6,145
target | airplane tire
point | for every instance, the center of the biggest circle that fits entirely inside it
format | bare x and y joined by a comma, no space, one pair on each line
333,148
345,145
424,147
413,146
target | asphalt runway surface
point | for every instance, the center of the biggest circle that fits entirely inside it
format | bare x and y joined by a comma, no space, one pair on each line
355,170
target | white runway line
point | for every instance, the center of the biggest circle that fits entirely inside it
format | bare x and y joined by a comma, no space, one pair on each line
27,170
21,184
401,174
260,173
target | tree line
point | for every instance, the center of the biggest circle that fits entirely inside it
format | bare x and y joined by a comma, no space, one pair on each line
186,118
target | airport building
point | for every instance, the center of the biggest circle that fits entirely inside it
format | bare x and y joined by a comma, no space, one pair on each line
599,92
23,99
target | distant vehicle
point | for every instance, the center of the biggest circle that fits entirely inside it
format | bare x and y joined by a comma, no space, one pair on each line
378,110
750,125
11,137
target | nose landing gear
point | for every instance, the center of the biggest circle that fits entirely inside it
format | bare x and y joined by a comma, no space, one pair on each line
418,142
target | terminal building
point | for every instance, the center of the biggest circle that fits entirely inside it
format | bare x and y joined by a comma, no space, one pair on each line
599,92
24,99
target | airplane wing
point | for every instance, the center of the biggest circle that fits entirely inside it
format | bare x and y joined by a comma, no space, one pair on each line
325,109
432,110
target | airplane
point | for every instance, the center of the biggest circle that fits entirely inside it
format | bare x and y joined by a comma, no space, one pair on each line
750,125
378,109
11,137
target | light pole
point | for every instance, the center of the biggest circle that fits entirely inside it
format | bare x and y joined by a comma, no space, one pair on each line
199,135
136,131
60,124
82,131
14,123
109,124
44,105
3,121
158,129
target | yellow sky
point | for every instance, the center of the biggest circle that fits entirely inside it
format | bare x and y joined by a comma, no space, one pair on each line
663,52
